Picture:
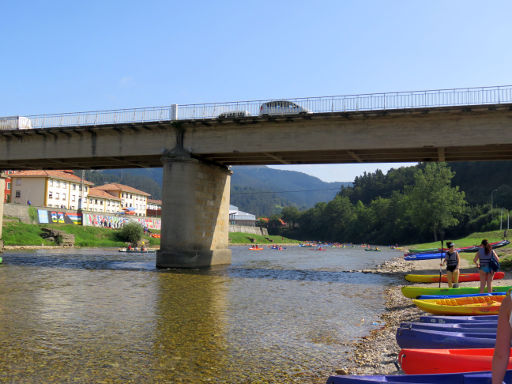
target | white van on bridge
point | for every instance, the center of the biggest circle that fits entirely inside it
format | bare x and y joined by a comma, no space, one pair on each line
15,122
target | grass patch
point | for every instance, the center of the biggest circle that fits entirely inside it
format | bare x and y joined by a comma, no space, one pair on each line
17,233
244,238
472,239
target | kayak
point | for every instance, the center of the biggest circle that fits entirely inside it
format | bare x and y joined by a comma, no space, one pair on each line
457,319
476,326
438,254
466,328
463,277
255,249
429,338
443,378
372,249
474,305
413,361
428,297
134,251
413,292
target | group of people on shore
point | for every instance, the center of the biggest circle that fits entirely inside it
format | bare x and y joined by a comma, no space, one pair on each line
484,260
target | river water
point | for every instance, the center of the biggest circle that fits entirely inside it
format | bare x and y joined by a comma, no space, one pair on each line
99,316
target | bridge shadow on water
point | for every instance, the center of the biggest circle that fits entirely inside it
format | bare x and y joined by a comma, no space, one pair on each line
115,263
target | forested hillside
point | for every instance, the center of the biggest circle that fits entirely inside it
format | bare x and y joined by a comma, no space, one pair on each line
257,189
411,204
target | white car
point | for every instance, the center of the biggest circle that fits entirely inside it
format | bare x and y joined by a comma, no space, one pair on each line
281,107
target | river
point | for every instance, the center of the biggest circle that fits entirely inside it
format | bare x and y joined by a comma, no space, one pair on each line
100,316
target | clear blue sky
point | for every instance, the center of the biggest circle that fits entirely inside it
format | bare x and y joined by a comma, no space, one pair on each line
67,56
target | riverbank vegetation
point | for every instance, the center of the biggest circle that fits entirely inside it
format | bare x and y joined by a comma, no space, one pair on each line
249,238
16,233
407,205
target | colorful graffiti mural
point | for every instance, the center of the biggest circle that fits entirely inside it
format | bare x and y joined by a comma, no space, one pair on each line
57,217
112,221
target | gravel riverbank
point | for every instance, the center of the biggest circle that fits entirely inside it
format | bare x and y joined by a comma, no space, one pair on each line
377,352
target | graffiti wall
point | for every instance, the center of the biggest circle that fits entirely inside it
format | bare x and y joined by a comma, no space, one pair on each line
113,221
58,217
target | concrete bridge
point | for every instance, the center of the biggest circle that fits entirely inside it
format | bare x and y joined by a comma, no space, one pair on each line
196,151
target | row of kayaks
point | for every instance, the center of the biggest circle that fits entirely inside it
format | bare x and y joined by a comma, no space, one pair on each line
441,349
439,253
447,348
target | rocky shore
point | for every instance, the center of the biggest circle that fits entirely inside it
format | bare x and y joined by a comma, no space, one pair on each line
377,353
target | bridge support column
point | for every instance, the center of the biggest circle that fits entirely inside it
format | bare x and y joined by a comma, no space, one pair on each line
195,213
2,191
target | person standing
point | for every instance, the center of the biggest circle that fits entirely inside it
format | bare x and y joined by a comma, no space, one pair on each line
501,355
482,261
452,260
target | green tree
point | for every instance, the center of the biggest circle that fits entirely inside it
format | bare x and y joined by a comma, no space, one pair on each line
433,204
131,232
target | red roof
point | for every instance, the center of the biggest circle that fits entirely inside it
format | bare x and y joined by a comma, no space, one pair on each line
121,188
66,175
95,192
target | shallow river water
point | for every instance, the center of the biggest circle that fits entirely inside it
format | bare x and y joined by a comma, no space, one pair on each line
98,316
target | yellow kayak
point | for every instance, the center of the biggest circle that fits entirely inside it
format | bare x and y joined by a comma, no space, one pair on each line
473,305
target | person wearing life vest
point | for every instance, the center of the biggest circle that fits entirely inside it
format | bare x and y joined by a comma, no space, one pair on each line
452,260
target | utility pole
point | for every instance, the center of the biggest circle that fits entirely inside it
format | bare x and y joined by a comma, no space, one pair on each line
81,205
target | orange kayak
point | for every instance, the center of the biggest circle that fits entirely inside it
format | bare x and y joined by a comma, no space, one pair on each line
472,305
426,361
463,277
255,249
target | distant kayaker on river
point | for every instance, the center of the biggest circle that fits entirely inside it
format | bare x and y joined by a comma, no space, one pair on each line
482,261
452,260
503,338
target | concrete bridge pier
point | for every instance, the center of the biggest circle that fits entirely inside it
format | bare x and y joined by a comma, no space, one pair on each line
2,191
195,213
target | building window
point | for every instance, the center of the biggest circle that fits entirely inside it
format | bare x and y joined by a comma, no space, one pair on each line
51,182
85,188
63,196
18,181
18,194
57,184
73,198
50,194
74,187
8,186
57,196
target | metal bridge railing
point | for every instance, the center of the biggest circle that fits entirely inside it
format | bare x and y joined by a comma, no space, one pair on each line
364,102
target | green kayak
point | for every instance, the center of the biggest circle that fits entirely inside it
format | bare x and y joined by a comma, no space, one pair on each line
413,292
1,260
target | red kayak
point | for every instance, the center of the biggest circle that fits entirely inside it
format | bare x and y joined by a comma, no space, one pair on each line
463,277
426,361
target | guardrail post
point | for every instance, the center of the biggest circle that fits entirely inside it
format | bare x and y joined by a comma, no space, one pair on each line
173,112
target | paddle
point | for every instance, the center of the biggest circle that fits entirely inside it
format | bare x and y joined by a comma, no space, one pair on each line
442,254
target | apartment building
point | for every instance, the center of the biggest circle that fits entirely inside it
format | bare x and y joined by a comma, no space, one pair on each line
132,199
59,189
100,201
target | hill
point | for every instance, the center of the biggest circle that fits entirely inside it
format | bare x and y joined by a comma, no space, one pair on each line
256,189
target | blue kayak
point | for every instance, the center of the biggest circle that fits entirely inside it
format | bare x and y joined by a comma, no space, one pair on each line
425,256
431,339
457,319
474,327
427,297
443,378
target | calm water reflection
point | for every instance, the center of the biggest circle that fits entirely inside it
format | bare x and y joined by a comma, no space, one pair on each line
100,316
